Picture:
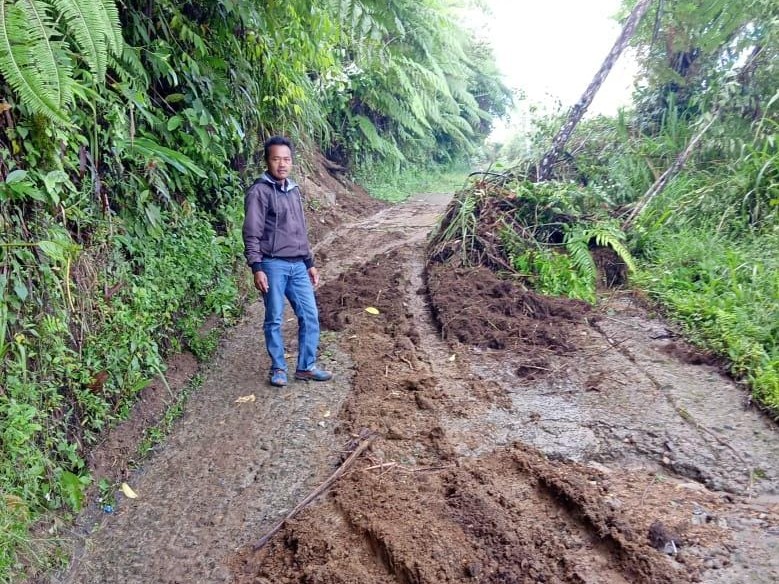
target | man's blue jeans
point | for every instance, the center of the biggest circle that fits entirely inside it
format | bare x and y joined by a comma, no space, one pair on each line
290,280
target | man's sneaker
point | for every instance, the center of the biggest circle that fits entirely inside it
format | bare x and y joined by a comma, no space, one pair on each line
278,377
313,375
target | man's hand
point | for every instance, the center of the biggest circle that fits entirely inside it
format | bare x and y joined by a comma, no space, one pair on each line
313,275
261,281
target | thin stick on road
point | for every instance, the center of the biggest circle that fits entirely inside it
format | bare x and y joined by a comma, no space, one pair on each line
361,447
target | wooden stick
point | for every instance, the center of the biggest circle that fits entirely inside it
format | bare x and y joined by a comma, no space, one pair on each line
382,465
316,492
528,366
431,468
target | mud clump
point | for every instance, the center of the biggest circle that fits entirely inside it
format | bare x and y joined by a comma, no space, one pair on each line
475,307
689,354
612,270
343,301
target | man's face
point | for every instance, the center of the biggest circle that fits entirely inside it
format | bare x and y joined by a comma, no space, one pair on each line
279,161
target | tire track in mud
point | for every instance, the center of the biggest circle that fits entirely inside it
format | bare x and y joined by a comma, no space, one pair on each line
230,470
526,499
357,242
527,514
718,441
624,399
226,469
428,515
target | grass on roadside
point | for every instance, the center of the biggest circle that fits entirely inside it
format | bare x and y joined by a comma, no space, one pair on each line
157,434
726,295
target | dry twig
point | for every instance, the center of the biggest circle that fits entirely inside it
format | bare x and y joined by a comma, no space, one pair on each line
316,492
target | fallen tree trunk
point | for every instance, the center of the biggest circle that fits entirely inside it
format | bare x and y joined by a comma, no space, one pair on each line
663,180
544,171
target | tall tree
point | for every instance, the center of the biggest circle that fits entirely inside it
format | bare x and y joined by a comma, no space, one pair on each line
409,83
690,50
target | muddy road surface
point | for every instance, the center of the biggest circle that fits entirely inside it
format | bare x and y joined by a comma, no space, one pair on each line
514,439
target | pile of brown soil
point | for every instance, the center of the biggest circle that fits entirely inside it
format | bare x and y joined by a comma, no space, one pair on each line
474,306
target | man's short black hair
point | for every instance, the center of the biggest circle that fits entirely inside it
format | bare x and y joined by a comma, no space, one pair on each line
276,141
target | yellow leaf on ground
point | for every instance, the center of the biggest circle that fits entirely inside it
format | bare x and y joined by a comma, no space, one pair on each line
246,399
372,310
128,492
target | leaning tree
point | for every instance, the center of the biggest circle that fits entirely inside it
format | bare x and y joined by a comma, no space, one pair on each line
544,169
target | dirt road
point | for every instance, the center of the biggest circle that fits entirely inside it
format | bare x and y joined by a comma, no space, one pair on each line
537,441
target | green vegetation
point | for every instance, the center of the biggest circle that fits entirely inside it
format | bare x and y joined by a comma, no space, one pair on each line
726,294
540,233
392,187
126,142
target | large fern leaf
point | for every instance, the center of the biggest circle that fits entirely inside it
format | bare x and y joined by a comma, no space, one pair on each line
613,237
391,105
130,70
576,243
86,27
376,142
605,234
112,28
460,123
35,66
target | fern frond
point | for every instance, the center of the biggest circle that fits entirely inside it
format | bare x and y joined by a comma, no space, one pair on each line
613,237
109,14
460,123
576,244
129,68
605,235
151,150
359,25
454,134
427,76
392,107
403,90
86,27
375,141
34,65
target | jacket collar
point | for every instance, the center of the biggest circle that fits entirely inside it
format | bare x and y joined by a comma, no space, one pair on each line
290,184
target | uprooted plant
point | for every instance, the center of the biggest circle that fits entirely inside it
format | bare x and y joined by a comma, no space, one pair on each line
543,234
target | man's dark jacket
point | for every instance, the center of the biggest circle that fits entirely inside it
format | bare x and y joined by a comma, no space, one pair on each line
274,224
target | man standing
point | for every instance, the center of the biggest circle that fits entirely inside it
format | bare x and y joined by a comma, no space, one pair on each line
277,250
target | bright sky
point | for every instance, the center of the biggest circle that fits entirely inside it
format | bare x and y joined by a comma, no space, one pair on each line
551,49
